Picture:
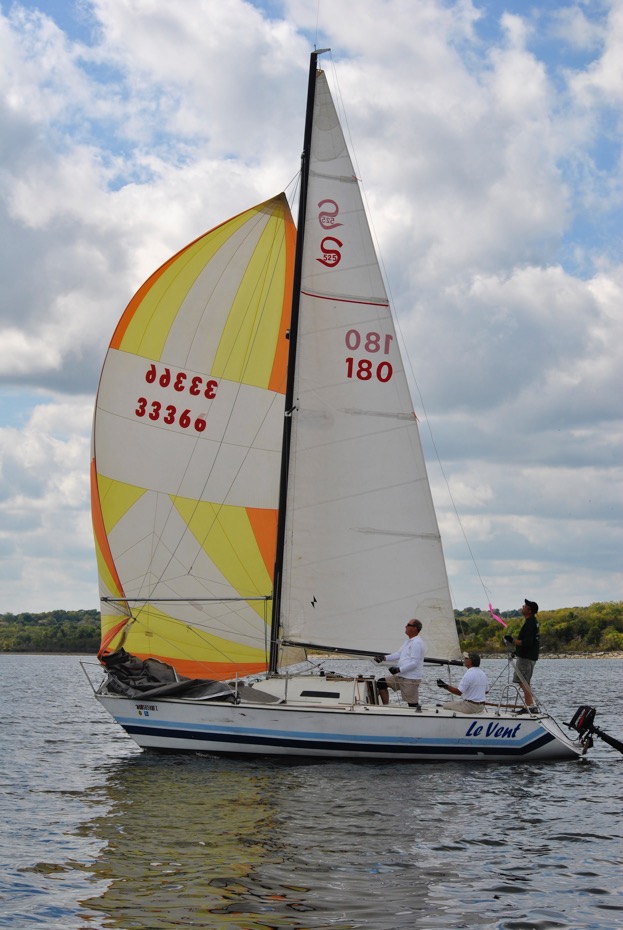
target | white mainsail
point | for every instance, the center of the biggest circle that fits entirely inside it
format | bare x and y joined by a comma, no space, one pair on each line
362,550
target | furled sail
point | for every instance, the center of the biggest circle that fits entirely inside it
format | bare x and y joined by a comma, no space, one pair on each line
363,550
186,451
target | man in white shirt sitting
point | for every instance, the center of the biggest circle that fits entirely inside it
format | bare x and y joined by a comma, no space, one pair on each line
472,689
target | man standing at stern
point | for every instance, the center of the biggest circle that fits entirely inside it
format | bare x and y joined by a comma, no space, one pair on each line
406,675
526,647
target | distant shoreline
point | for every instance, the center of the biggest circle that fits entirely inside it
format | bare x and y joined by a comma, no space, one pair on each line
337,655
39,652
496,655
563,655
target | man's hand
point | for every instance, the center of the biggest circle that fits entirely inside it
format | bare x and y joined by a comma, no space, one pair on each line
509,640
441,683
393,670
379,658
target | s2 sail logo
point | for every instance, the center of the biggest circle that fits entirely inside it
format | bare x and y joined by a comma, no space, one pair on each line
327,218
330,246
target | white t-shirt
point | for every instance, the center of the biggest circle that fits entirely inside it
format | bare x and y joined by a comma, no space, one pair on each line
474,685
410,658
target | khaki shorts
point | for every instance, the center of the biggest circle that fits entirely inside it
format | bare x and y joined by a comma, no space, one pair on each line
464,707
409,687
523,668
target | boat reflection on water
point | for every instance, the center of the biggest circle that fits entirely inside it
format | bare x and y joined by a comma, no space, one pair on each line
215,843
188,841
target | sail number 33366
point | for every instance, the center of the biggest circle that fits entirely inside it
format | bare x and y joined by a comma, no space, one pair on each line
181,382
367,369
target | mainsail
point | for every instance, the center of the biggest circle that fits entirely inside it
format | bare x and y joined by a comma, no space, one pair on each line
362,546
186,451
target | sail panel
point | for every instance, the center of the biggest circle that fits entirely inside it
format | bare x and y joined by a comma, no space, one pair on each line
193,653
163,293
164,621
110,584
187,438
246,349
168,314
228,538
363,549
232,458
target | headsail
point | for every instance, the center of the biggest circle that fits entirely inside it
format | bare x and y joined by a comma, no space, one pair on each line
362,545
186,450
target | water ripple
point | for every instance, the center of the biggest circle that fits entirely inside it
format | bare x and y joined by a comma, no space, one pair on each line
101,835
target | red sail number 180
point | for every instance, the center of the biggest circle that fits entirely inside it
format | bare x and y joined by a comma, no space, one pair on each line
364,368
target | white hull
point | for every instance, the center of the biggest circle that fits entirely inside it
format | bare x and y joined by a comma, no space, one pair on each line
359,731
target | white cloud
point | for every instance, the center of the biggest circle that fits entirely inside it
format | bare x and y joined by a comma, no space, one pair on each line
574,28
45,535
601,83
492,171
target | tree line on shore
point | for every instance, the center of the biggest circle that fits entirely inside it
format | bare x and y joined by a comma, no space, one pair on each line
52,631
597,628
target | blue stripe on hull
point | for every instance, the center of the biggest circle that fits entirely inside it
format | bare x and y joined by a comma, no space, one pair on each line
327,745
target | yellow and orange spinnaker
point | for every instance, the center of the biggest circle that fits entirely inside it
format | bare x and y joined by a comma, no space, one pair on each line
187,442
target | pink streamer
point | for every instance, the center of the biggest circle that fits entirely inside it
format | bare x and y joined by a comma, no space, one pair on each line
495,616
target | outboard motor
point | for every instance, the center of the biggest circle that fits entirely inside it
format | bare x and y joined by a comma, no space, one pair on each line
583,723
583,718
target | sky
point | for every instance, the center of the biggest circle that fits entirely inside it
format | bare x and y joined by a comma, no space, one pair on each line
487,135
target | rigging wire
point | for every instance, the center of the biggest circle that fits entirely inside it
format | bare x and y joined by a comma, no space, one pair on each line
317,22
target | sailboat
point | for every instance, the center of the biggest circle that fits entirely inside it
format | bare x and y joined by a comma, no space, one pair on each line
260,496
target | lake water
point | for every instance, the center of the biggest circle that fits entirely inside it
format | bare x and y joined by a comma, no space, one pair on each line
98,834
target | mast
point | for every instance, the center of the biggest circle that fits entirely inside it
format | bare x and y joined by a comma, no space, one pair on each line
289,399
